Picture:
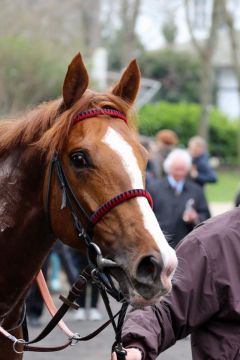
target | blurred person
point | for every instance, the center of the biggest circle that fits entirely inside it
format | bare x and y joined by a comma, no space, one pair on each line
55,269
204,300
148,144
179,203
34,301
237,199
201,171
165,141
80,261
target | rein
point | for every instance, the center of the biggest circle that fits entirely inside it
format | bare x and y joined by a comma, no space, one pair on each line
98,265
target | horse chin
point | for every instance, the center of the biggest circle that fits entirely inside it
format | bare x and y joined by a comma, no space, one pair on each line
138,301
137,296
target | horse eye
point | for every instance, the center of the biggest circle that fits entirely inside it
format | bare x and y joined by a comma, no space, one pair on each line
79,160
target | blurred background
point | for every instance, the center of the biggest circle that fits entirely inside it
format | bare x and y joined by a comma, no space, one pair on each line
189,55
188,51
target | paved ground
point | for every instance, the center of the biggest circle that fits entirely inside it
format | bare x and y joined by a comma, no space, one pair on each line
99,348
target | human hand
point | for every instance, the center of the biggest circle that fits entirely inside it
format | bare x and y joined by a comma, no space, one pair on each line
193,172
190,216
132,354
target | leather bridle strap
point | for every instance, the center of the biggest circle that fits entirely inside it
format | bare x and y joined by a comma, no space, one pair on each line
50,304
68,196
73,338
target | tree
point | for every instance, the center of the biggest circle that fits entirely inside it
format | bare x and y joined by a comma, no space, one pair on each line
205,51
124,43
178,72
169,30
228,17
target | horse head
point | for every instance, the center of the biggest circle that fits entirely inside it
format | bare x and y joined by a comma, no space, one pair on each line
102,160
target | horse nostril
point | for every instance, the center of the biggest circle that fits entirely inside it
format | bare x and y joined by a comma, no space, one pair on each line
148,270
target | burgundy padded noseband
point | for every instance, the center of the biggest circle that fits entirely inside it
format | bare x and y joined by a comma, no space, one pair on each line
110,204
124,196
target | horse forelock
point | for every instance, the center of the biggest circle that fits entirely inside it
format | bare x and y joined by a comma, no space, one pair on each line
46,128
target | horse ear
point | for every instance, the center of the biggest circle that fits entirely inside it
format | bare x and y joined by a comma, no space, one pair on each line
128,86
76,81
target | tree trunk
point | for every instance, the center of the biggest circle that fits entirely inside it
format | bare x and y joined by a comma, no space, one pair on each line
236,63
206,97
205,53
128,14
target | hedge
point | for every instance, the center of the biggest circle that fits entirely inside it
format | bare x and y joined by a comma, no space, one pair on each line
183,118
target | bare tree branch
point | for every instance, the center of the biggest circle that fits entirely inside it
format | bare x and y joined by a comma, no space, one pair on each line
235,58
195,42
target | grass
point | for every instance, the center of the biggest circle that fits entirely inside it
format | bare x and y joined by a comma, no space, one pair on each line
226,188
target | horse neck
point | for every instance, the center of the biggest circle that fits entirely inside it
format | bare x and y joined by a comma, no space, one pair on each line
25,239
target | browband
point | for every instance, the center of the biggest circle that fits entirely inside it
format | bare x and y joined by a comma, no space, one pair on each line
90,113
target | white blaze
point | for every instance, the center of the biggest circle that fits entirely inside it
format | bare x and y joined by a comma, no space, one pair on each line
125,152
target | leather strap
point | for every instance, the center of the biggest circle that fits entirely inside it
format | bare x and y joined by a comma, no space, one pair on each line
49,302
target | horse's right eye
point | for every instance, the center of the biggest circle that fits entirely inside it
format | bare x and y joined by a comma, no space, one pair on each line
79,160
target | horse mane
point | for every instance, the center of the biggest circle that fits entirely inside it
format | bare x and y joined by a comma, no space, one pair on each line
23,130
46,128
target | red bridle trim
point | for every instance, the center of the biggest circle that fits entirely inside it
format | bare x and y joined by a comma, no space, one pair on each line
90,113
117,200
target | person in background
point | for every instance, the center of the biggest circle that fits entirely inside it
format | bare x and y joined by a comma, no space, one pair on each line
165,141
204,300
179,203
55,270
201,171
237,199
149,145
34,301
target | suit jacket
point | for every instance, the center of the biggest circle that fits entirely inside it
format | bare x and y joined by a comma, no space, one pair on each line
170,206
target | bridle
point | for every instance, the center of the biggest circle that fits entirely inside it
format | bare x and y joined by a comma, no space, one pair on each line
98,265
69,198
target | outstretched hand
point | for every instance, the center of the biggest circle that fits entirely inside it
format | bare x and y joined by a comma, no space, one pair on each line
132,354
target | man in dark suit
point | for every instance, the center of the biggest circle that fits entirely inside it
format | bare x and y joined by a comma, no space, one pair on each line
179,203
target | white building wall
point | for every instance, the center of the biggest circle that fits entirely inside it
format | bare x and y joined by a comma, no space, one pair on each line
227,94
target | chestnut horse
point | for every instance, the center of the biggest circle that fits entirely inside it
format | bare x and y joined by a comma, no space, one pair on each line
101,158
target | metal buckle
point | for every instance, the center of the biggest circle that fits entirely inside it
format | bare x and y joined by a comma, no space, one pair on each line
120,352
18,341
74,339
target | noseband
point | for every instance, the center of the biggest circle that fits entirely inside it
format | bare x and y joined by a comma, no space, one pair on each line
70,200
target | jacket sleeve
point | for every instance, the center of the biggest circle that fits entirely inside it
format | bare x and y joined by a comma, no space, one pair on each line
205,173
193,300
202,206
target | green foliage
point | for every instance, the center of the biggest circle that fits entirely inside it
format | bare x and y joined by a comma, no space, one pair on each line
183,118
29,73
169,30
178,72
225,189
